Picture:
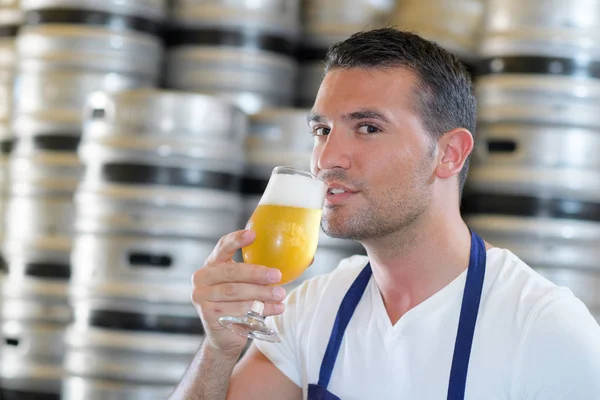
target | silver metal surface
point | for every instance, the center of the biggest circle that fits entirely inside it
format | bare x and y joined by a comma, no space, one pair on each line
34,299
165,129
163,118
545,161
278,136
6,96
143,358
10,13
249,77
77,388
51,100
310,75
329,21
158,212
43,223
63,46
33,315
43,172
546,99
152,9
107,276
453,24
543,242
105,269
280,17
537,146
32,361
231,72
39,217
542,27
563,183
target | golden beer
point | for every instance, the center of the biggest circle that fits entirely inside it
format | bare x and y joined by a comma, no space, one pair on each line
286,239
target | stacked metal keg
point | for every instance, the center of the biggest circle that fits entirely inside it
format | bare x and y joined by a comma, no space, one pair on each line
66,49
326,22
10,20
240,50
535,184
452,24
161,185
281,136
31,311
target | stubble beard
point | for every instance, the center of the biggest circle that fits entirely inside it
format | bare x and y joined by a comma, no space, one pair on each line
384,216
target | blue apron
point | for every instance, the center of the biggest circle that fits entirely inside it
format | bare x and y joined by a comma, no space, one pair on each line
464,337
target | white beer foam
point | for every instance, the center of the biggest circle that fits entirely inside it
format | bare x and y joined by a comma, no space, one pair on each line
294,191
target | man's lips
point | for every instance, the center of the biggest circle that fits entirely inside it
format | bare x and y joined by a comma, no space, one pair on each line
338,193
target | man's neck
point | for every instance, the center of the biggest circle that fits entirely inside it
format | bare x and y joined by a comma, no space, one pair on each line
413,265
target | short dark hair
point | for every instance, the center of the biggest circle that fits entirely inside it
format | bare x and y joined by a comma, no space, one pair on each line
445,95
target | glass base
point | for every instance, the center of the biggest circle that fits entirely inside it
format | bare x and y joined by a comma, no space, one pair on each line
251,325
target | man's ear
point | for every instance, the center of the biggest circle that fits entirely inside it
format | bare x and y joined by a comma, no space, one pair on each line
454,148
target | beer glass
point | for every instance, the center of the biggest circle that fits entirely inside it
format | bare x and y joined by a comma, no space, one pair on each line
287,222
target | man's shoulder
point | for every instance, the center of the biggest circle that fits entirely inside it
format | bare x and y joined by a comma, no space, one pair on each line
523,296
510,278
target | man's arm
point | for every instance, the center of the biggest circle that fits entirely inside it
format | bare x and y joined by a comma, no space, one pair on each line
207,377
256,378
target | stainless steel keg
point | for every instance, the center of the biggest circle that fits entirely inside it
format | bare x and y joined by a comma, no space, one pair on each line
128,365
452,24
161,185
552,28
121,37
33,315
541,161
326,22
39,218
243,52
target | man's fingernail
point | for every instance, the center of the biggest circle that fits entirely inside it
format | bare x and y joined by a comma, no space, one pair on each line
279,307
248,235
279,293
274,275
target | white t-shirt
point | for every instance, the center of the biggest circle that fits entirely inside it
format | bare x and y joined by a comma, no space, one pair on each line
533,340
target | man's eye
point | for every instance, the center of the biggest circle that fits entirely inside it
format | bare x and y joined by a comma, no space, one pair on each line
321,131
368,129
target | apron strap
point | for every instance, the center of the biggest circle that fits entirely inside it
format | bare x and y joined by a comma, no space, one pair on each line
342,319
468,319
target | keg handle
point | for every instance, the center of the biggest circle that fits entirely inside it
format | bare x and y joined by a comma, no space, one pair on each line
504,146
149,260
11,341
98,106
97,113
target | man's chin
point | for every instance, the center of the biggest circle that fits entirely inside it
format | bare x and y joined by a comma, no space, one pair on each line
338,232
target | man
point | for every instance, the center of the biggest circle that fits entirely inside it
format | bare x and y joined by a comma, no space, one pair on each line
432,312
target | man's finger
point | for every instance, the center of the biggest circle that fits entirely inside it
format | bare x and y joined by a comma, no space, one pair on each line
228,245
240,272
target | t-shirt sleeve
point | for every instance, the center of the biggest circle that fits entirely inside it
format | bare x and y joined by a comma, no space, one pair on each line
285,355
560,352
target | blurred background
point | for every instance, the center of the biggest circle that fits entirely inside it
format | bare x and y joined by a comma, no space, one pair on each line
134,133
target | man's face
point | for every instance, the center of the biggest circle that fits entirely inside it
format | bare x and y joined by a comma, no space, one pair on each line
372,150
